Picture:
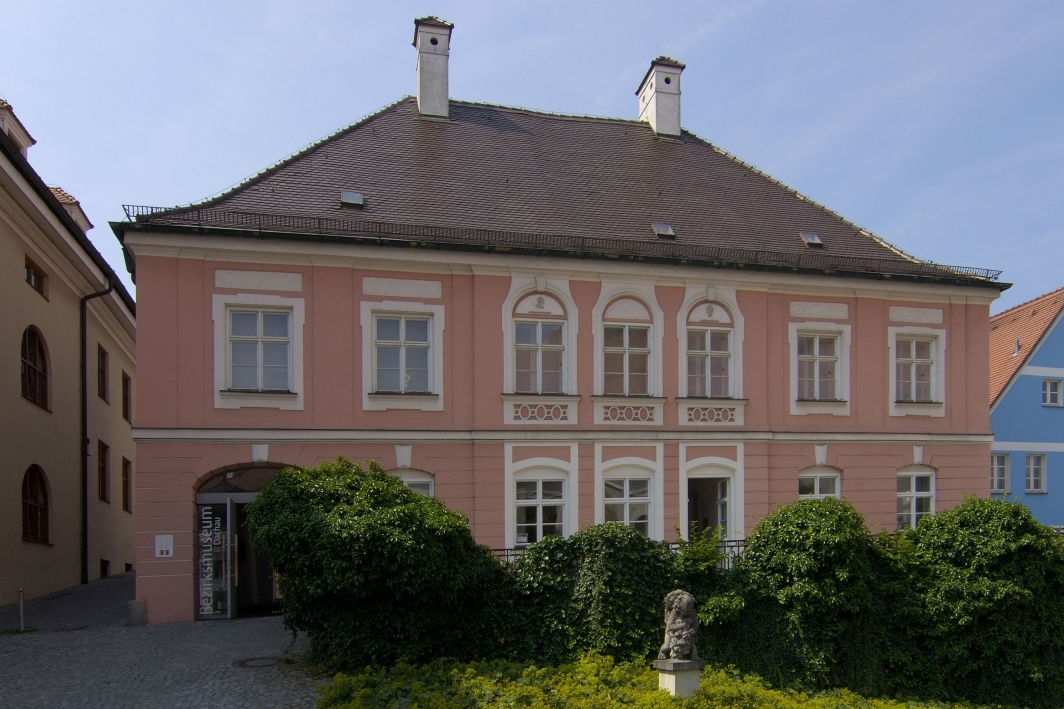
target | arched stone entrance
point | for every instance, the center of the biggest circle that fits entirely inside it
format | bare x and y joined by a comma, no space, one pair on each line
233,578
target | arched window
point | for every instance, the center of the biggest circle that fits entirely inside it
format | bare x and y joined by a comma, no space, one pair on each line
35,505
626,349
710,349
34,368
539,345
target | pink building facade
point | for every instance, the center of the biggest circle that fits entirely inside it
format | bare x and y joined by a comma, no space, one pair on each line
538,378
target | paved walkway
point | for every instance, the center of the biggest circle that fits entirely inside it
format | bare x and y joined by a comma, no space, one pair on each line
83,656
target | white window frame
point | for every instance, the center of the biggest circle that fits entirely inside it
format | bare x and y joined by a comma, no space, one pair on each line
1029,462
645,294
403,346
539,349
627,349
374,401
999,473
260,339
417,477
632,467
708,355
1051,393
221,305
841,331
936,408
542,468
911,472
557,288
818,473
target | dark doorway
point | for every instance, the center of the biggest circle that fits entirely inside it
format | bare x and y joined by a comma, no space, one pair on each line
707,504
253,578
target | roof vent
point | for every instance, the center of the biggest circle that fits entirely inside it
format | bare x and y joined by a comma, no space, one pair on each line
810,239
350,198
1018,348
663,230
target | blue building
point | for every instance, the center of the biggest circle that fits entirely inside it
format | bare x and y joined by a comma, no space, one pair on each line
1027,405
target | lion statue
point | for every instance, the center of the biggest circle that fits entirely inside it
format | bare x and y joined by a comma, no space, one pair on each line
681,627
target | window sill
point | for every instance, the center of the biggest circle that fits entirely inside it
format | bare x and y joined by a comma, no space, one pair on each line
36,404
38,541
557,409
382,401
628,397
918,408
831,407
241,398
1035,492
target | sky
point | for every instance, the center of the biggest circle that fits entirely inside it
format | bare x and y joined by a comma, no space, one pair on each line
938,126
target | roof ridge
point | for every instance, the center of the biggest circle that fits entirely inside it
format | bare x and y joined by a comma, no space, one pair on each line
1026,303
551,114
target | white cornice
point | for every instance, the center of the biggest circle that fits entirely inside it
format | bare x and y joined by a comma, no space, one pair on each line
237,435
389,258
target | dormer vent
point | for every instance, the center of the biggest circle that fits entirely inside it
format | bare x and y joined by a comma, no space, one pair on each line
350,198
432,37
810,239
659,96
663,230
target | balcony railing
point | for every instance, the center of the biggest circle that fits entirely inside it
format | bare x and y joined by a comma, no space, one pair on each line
730,549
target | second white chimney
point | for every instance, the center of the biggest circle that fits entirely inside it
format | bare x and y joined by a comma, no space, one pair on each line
432,37
659,96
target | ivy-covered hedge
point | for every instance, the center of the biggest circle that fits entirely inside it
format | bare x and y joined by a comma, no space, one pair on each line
969,606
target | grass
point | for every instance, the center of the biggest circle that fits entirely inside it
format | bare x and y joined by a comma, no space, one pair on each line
16,631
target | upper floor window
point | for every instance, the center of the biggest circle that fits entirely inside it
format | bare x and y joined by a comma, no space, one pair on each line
35,277
540,509
259,349
999,472
102,375
127,485
1036,473
916,496
402,354
710,352
627,501
1051,392
818,367
34,368
103,471
626,360
914,361
127,397
540,356
814,484
34,505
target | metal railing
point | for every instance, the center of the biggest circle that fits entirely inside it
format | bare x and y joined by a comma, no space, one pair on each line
508,240
730,550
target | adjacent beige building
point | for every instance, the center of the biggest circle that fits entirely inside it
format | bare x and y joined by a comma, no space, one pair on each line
66,485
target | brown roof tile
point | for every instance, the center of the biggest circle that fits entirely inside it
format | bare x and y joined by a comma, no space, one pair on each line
62,195
506,170
1026,324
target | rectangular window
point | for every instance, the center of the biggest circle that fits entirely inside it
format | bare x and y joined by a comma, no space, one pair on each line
999,473
34,276
402,354
1051,392
127,485
103,481
914,363
813,487
540,353
1036,473
708,363
818,360
127,397
627,501
916,498
101,374
259,350
540,509
626,360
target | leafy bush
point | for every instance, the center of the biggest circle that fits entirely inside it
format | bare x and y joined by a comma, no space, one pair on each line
374,572
593,682
599,589
805,603
987,605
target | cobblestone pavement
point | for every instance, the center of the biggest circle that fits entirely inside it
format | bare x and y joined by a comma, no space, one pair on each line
85,656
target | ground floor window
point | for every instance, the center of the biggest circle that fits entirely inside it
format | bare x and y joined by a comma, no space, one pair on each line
1036,473
999,472
818,485
627,501
916,497
540,509
34,505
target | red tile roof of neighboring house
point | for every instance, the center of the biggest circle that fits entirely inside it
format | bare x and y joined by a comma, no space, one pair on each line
62,195
1026,324
504,177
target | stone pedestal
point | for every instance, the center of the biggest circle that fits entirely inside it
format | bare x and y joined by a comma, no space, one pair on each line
679,677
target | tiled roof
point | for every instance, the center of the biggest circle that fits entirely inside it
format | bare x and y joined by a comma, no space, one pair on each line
497,170
62,195
1027,323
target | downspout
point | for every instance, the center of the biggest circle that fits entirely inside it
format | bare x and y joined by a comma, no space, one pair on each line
85,433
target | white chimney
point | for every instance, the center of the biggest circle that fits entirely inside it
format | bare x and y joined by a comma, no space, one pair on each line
432,37
659,96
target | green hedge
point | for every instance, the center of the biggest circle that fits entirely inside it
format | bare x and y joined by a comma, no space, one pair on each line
968,606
